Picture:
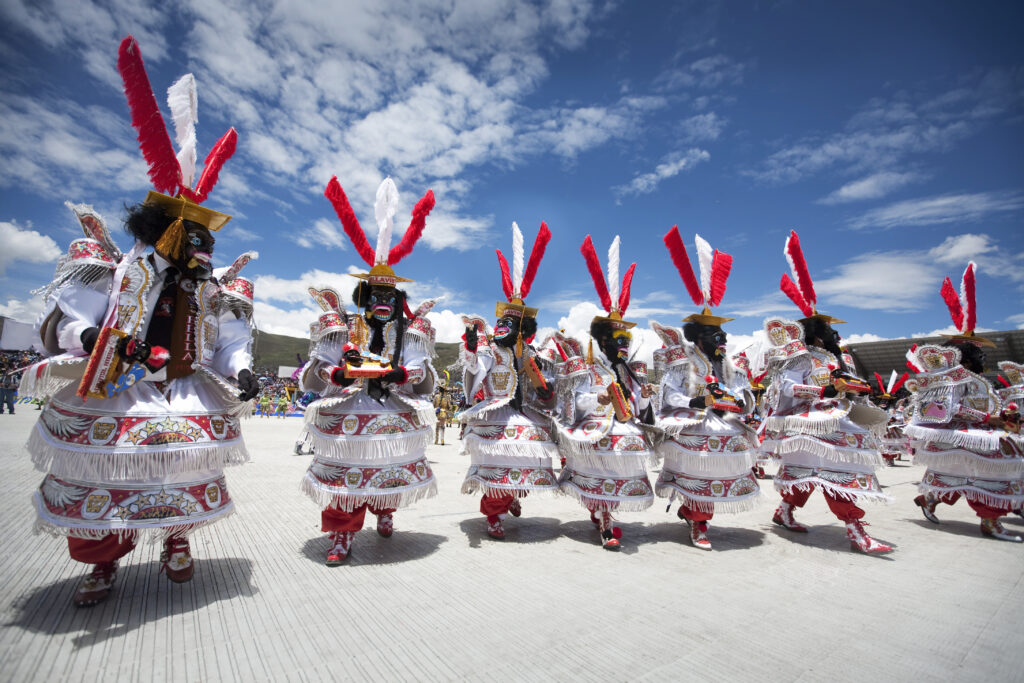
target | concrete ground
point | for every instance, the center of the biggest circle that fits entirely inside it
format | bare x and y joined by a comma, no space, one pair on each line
441,601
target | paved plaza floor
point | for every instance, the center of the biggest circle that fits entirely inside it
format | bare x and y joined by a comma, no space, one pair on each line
441,601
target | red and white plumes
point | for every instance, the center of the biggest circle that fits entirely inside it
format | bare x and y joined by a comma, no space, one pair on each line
799,288
714,266
962,305
170,173
516,283
614,299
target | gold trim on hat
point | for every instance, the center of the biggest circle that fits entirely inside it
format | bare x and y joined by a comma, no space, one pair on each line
180,207
381,275
971,338
515,308
706,317
615,320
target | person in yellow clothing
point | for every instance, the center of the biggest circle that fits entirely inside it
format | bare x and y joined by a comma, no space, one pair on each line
442,420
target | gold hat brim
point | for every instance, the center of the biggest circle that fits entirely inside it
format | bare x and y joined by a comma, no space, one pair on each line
176,207
524,311
614,322
970,338
706,319
825,317
381,275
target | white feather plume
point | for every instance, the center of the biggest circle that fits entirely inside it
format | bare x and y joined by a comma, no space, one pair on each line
704,256
965,305
892,382
613,273
384,209
517,260
792,266
184,106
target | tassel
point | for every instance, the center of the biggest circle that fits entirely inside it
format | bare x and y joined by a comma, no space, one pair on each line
967,299
721,266
348,219
798,264
221,152
590,350
412,234
506,278
956,311
536,254
594,266
171,244
677,250
627,284
790,290
164,171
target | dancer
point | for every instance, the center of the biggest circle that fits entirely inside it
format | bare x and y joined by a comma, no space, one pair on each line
604,411
958,432
370,429
821,433
508,435
894,443
708,450
140,419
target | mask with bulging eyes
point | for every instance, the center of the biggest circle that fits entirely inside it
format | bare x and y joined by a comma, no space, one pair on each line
616,346
712,341
382,303
198,252
506,330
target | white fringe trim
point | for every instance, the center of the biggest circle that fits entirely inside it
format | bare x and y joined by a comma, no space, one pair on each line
820,426
870,457
382,447
56,375
709,505
684,460
474,485
837,491
977,466
146,463
607,503
347,499
149,532
976,495
974,439
480,447
482,409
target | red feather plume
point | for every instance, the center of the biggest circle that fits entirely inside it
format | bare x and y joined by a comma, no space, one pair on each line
790,289
219,153
970,302
506,276
1002,380
721,266
412,234
677,250
536,254
594,266
899,383
803,276
952,299
348,219
881,384
627,284
164,170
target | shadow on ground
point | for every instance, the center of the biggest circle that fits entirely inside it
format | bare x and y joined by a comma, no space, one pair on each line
140,595
517,530
369,548
723,538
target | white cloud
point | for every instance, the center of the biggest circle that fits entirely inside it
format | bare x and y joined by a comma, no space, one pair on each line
940,210
887,281
22,310
871,187
447,324
323,234
701,128
707,73
1016,320
671,166
25,245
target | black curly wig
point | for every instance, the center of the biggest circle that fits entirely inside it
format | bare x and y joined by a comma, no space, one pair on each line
147,223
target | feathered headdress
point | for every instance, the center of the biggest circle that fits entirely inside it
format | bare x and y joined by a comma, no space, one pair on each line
963,308
886,390
384,256
516,284
613,299
714,273
800,289
173,174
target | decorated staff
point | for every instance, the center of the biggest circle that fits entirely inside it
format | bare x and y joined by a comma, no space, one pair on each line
141,418
370,429
823,435
508,435
957,426
603,403
708,450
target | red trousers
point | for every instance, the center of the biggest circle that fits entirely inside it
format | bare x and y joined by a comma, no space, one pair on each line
111,547
696,515
980,509
335,519
492,506
843,509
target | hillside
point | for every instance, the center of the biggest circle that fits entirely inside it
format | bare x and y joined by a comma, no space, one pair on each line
273,350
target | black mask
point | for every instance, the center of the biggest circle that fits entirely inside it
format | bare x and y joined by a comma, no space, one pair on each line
197,254
972,357
506,331
615,347
382,304
712,341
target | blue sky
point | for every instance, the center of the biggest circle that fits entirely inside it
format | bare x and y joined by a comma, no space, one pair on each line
889,135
